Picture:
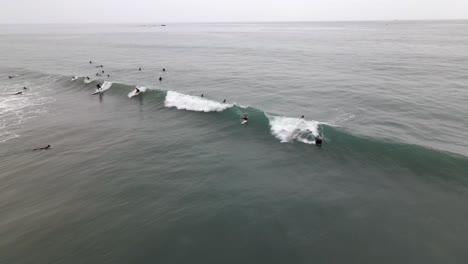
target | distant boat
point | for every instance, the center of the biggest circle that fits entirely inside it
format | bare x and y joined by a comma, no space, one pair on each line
163,25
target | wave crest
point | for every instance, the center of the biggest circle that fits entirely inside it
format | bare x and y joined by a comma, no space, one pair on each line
193,103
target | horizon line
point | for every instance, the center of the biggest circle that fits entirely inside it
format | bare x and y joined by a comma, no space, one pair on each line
234,22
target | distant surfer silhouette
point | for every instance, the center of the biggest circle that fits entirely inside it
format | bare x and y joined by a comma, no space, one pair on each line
43,148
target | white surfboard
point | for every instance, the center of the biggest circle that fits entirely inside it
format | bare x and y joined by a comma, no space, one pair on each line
74,78
134,93
244,122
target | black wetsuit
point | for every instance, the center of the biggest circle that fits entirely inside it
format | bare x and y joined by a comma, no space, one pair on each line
318,141
44,148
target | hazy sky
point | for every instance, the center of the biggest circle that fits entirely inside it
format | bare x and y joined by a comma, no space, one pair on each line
136,11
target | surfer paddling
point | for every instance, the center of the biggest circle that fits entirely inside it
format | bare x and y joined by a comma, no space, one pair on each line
43,148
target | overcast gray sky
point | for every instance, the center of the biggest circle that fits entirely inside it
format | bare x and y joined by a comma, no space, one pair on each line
137,11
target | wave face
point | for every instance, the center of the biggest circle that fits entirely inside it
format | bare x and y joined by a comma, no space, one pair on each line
193,103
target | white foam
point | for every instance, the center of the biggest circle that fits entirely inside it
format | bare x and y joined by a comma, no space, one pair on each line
193,103
15,110
288,129
134,93
106,86
74,78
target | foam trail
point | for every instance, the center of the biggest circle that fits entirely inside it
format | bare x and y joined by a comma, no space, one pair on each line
133,92
288,129
193,103
105,86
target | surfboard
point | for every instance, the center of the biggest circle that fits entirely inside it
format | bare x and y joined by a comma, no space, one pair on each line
74,78
244,122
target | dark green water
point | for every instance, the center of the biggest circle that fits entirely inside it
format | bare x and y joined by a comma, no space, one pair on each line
140,181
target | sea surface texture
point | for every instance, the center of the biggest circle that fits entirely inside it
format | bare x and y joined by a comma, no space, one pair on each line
169,176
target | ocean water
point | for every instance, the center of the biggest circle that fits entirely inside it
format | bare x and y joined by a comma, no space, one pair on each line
171,177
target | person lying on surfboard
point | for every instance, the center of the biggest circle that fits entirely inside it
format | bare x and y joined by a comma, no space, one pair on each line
137,90
44,148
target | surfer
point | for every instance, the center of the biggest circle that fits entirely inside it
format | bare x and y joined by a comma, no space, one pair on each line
90,62
43,148
102,71
10,77
25,88
137,90
98,86
202,95
87,78
160,79
302,116
224,101
318,140
18,93
97,74
164,69
139,69
108,76
245,118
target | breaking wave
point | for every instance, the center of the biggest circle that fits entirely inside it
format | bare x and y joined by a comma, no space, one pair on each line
193,103
289,129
